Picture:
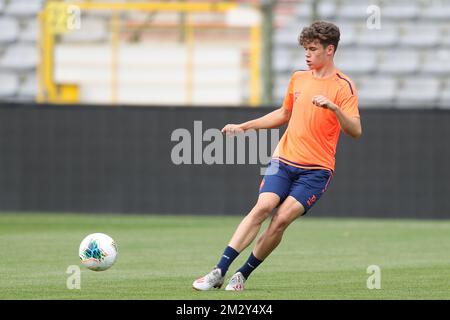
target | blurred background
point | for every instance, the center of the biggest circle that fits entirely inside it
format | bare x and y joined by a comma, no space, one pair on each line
91,91
226,52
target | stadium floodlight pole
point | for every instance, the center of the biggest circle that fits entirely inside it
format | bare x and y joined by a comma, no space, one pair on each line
267,7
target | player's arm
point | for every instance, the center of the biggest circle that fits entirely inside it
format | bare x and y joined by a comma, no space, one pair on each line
350,125
273,119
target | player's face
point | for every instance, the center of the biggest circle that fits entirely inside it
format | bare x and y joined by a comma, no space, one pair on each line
317,55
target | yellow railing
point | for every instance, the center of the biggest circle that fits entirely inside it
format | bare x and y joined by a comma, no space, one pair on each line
53,20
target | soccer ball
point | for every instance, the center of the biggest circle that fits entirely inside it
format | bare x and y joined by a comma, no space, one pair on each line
98,252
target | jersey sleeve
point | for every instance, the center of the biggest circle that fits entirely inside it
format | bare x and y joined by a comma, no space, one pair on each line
288,101
348,101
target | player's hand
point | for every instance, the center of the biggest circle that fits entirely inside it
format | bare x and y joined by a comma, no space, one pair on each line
323,102
232,129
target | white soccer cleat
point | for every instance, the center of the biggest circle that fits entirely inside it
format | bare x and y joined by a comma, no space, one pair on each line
213,279
236,282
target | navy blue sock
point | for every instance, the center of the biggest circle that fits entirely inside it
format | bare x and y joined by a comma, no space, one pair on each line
249,266
227,258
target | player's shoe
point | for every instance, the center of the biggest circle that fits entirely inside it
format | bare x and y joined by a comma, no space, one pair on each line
236,282
213,279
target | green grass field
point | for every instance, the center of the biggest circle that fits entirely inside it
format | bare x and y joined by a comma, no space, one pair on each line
160,256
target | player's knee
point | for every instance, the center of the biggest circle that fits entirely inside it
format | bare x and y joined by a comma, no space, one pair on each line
280,223
262,210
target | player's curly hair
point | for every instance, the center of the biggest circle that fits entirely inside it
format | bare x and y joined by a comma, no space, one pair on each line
326,32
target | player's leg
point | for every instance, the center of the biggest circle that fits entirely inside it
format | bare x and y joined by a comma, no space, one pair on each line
288,211
306,189
245,233
273,189
249,227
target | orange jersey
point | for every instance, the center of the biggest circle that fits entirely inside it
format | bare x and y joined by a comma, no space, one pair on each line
312,134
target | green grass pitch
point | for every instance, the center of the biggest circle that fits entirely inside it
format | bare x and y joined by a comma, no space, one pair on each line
160,256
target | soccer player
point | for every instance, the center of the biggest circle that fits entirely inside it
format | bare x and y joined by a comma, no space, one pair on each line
319,102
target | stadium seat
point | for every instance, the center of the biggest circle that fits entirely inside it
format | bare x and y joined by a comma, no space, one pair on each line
418,93
298,61
348,33
379,58
354,61
24,8
399,62
421,35
436,9
28,88
282,60
445,41
400,9
384,37
92,30
304,10
287,37
354,9
326,9
30,32
403,47
444,99
437,62
376,91
281,84
9,30
9,84
20,57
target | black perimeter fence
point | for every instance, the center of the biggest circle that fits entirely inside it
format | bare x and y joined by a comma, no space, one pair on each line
118,160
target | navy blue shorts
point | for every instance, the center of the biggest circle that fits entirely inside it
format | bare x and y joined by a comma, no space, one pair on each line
305,185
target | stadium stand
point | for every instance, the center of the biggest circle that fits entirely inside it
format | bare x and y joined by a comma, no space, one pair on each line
421,36
377,91
30,31
27,90
9,84
409,55
437,9
444,99
436,63
18,48
401,9
411,46
327,9
348,34
357,61
370,38
420,92
94,30
20,57
399,62
351,9
10,30
24,8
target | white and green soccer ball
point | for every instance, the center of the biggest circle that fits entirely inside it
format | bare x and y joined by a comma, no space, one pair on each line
98,252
